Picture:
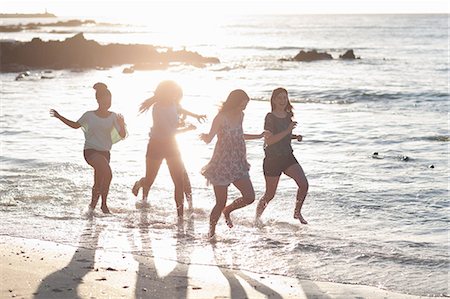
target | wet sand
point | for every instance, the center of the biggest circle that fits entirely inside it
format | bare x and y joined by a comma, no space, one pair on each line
42,269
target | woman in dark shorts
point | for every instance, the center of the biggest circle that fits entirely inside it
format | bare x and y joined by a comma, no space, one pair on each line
279,157
102,128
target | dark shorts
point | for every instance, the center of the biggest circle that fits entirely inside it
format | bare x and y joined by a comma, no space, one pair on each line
159,149
90,153
275,166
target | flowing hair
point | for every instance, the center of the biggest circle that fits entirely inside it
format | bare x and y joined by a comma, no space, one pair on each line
288,107
234,99
167,90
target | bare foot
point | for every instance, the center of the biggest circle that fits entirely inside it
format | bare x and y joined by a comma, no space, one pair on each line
105,210
188,197
226,214
300,217
211,236
136,187
258,222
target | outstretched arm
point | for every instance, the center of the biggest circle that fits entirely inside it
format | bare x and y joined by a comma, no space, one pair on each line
253,136
187,128
199,117
217,123
68,122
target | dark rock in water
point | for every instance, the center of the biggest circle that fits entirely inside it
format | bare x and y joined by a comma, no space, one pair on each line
128,70
376,156
348,55
22,75
79,53
431,166
312,56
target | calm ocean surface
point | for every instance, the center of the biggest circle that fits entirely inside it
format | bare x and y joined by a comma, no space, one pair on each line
372,221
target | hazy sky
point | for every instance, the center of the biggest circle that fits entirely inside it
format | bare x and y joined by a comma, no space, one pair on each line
143,7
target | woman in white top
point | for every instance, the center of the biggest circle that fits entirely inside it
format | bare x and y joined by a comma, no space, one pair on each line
102,128
162,143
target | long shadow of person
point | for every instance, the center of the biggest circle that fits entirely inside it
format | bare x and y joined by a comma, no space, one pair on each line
148,282
236,288
64,282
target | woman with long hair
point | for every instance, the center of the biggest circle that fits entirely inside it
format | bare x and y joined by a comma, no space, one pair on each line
279,157
228,164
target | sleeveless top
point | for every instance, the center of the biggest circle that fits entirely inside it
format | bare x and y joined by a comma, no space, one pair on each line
229,160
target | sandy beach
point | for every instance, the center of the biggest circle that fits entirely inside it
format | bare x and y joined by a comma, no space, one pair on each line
42,269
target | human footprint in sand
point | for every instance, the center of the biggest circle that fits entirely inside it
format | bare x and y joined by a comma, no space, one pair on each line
102,128
166,112
279,157
228,164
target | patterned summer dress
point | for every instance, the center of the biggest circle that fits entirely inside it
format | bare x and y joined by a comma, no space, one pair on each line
229,160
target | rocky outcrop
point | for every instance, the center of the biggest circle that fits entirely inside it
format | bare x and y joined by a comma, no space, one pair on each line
348,55
79,53
312,56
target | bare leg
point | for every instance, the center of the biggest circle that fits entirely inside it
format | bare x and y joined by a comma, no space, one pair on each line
105,187
152,168
187,189
95,190
248,196
221,193
176,172
102,180
271,188
296,172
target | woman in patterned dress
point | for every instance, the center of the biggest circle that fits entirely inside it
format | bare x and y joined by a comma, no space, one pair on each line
228,164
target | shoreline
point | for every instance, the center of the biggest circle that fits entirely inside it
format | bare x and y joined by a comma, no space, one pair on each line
33,268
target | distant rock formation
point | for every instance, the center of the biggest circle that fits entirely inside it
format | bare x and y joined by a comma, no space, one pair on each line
312,56
77,52
348,55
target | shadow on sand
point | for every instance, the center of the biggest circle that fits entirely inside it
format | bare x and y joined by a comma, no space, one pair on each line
64,282
148,283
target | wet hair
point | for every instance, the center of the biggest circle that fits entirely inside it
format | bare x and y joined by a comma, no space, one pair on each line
168,90
234,99
101,91
288,107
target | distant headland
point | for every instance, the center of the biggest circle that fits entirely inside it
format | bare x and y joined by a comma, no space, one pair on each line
27,15
76,52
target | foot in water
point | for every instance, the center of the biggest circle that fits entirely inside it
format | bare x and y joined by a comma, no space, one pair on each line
258,222
105,210
226,214
142,204
136,187
300,217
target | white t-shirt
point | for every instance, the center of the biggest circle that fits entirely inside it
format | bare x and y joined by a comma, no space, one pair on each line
99,133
